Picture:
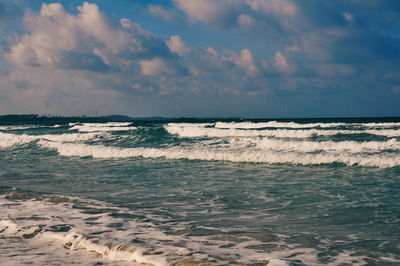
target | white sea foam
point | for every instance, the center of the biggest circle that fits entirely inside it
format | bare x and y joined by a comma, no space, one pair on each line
96,127
106,124
49,223
194,131
17,127
199,152
275,124
315,146
63,215
70,137
27,127
99,129
8,140
383,125
111,250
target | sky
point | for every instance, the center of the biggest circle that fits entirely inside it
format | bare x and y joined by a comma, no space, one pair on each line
201,58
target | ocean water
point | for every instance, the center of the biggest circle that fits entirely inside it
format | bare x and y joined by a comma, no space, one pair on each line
299,192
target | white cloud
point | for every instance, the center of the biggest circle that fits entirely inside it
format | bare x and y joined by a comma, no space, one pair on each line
278,7
221,13
245,22
212,51
156,67
117,55
245,61
87,55
281,62
348,17
177,45
88,40
163,13
204,10
244,14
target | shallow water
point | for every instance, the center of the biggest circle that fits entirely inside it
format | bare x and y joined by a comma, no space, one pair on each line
253,193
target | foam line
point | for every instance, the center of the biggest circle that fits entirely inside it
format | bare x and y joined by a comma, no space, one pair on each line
112,251
96,127
275,124
107,124
196,132
323,146
75,241
205,153
16,127
8,140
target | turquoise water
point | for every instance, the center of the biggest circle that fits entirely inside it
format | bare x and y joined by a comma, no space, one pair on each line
241,192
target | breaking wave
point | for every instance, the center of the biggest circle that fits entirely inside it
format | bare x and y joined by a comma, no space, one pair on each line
275,124
9,140
323,146
274,146
194,131
17,127
78,241
200,152
96,127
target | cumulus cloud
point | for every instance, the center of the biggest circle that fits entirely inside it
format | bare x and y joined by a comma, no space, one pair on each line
311,47
328,30
223,13
105,53
177,45
245,21
157,67
160,11
89,54
281,62
87,57
245,61
279,7
202,10
244,14
88,40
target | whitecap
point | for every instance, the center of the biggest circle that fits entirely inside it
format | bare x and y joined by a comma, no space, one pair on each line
199,152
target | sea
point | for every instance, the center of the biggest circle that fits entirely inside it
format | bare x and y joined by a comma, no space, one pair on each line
200,192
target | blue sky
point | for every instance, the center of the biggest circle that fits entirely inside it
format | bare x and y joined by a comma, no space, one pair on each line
197,58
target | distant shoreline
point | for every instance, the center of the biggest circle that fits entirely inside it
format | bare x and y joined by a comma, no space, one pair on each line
35,118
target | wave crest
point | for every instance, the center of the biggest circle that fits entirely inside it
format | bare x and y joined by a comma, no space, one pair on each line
233,155
96,127
194,131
